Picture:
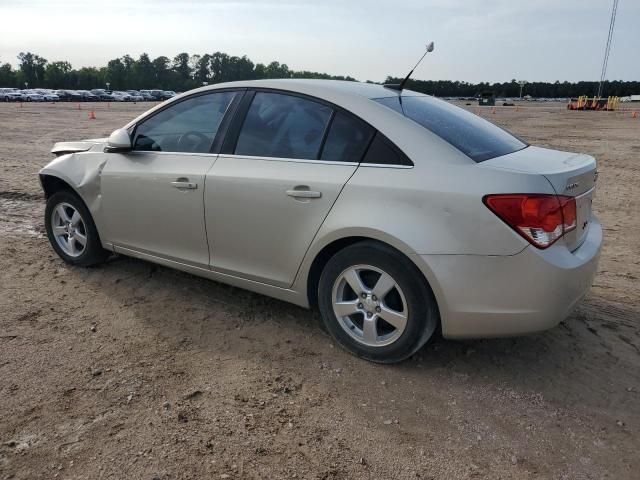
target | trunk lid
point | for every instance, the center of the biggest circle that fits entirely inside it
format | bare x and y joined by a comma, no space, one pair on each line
570,174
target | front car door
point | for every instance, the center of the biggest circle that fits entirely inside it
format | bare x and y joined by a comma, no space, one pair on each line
268,195
153,196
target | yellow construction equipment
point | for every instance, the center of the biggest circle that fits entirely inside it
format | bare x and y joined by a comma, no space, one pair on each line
585,103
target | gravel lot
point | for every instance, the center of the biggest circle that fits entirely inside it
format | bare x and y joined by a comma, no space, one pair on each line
134,371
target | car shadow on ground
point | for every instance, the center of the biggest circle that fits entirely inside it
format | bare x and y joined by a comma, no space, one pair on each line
558,364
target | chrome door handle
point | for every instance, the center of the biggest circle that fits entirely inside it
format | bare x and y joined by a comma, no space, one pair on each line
304,194
184,185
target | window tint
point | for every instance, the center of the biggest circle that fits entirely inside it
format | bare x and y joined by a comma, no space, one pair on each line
347,140
382,152
188,126
472,135
283,126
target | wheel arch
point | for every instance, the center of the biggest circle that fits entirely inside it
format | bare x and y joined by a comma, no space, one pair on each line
329,248
52,184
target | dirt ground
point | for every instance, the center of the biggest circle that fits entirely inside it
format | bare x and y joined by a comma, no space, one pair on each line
134,371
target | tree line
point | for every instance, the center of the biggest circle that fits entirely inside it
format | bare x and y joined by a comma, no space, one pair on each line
185,71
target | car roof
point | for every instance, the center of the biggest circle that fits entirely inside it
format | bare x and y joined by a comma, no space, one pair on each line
319,88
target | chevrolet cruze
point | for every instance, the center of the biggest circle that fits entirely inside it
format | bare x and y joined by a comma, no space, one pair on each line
391,211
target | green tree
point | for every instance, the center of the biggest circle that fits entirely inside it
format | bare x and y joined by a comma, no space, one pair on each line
32,67
8,77
56,75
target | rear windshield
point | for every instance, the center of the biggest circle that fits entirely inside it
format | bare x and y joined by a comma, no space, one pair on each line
475,137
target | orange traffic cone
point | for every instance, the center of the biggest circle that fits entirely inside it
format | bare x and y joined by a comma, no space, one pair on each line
92,115
493,110
79,107
634,115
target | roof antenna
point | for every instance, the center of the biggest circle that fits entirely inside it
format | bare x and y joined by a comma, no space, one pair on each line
400,86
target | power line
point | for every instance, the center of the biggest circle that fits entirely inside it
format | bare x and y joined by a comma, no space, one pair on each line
614,11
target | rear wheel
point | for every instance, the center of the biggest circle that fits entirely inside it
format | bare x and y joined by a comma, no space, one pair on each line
71,230
375,303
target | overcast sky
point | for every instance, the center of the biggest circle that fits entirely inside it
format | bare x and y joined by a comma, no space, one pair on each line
476,40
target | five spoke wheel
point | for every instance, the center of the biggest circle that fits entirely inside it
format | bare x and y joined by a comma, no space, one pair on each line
370,305
69,229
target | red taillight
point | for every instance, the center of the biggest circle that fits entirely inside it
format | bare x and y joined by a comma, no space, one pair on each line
541,219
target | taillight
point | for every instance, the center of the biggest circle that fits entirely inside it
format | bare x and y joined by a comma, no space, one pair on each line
540,219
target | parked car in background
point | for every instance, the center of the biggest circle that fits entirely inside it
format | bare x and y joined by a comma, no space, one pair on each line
10,95
102,94
394,212
31,96
157,95
121,96
135,95
87,96
69,96
146,95
169,94
49,95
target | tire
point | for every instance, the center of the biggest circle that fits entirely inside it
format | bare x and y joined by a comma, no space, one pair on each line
376,265
69,246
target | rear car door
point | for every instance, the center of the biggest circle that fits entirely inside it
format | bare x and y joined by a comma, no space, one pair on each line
153,196
283,164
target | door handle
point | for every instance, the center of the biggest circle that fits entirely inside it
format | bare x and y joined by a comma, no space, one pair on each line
184,185
304,194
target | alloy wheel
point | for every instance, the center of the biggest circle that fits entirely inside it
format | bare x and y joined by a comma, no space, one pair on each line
370,305
69,229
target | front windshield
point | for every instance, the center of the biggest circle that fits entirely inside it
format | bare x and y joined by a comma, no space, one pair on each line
472,135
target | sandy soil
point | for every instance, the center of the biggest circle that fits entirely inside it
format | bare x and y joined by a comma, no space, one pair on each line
135,371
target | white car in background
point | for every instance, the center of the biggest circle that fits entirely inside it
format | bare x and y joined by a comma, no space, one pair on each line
49,95
121,96
10,95
31,96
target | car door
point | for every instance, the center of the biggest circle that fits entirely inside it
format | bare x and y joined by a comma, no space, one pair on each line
274,183
153,195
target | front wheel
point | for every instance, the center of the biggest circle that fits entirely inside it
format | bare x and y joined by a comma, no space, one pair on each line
71,230
376,303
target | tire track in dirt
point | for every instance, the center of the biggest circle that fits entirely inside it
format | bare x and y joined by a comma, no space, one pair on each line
21,214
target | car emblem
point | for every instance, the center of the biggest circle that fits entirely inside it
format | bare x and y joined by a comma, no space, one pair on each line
573,185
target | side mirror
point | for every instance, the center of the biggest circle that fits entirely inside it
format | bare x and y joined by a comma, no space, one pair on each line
119,141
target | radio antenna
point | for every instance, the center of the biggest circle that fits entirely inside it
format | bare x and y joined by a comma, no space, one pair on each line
400,86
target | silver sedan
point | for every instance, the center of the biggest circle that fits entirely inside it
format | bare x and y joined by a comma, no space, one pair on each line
391,211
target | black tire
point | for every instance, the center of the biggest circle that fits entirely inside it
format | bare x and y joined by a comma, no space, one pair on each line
422,317
93,253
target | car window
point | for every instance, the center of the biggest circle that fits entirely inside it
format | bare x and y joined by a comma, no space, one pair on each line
383,152
189,126
347,140
475,137
283,126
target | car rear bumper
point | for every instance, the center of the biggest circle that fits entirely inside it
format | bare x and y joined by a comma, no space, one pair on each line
495,296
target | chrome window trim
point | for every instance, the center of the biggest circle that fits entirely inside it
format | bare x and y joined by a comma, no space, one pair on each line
151,152
291,160
385,165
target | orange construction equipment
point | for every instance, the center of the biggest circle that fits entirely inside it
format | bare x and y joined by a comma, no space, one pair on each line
92,115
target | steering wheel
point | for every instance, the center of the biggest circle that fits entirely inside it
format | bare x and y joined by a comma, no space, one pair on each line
186,146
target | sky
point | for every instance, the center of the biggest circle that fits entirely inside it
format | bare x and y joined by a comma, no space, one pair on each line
481,40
